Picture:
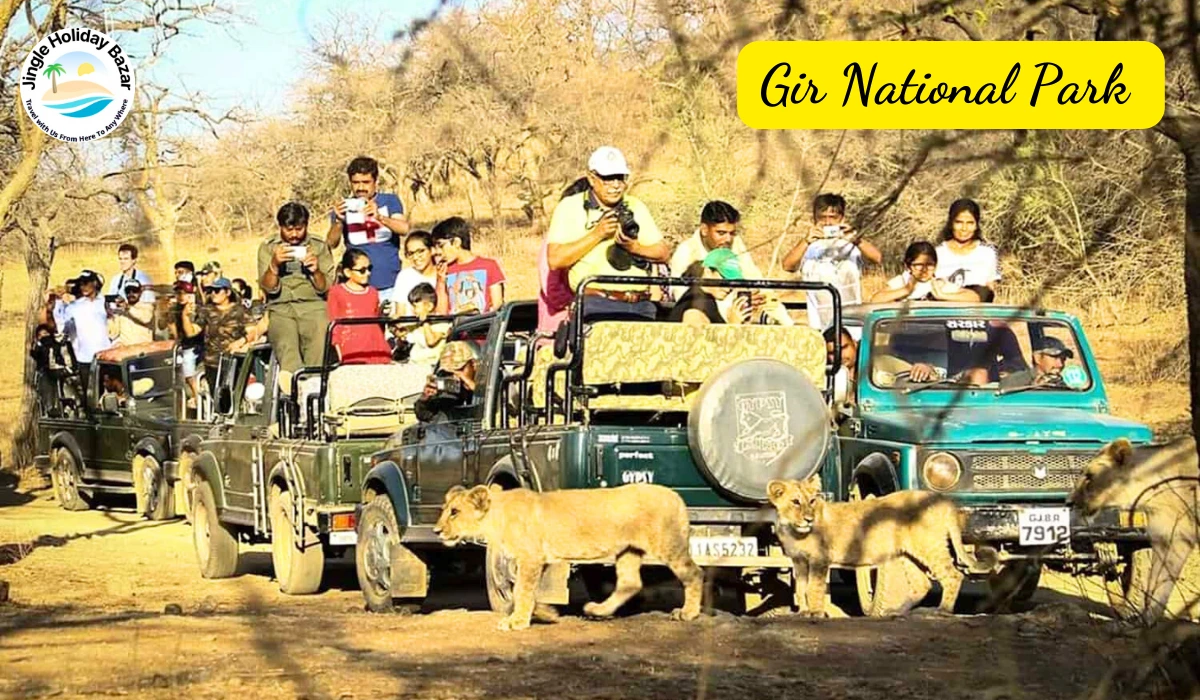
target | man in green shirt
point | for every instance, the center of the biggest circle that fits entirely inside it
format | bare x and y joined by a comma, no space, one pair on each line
295,271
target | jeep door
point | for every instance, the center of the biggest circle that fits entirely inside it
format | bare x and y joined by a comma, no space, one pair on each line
113,449
240,435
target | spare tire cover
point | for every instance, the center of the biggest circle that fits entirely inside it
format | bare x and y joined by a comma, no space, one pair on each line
755,421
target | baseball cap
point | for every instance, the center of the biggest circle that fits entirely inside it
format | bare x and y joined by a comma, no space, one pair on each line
184,286
1054,348
132,284
89,276
220,283
456,355
607,160
210,267
725,262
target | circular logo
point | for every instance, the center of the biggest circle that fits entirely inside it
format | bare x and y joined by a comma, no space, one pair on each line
1074,377
76,84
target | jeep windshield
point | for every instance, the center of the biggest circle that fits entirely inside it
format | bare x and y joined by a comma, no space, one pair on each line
150,382
1007,355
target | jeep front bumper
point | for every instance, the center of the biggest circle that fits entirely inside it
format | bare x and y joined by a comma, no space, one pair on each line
998,524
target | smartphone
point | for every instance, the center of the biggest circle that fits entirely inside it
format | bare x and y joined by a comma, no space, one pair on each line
744,295
299,252
832,231
355,204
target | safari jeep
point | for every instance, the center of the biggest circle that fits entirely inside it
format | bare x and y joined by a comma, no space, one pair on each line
1009,448
124,434
285,462
713,413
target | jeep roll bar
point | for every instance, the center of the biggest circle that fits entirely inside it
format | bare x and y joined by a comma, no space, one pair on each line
575,327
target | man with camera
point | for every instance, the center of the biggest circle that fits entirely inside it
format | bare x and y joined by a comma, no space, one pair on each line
831,251
452,385
602,231
132,320
295,271
127,256
372,221
82,315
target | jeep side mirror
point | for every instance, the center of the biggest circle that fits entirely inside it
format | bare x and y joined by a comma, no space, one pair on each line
255,392
109,403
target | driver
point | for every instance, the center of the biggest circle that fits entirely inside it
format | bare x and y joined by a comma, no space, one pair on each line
452,384
1049,359
114,386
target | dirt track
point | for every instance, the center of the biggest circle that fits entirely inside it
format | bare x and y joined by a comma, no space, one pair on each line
86,617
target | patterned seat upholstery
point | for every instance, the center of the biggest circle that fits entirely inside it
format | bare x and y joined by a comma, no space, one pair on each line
349,384
686,356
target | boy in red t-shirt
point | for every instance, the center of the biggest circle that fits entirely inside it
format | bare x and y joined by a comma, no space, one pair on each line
466,282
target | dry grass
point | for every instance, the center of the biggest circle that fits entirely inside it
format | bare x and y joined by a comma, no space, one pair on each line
1141,349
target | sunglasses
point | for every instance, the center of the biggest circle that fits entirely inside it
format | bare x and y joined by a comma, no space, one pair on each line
610,179
368,268
214,290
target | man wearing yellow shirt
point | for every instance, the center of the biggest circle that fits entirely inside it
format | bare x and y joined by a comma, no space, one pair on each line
587,238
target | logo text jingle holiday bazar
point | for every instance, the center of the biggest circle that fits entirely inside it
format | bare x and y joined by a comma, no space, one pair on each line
77,85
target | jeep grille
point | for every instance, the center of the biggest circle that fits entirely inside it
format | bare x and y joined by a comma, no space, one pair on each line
1022,471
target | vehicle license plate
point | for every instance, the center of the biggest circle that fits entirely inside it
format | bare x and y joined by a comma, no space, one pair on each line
1044,525
343,538
724,546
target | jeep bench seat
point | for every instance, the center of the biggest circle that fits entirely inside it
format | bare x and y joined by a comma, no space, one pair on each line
618,352
349,384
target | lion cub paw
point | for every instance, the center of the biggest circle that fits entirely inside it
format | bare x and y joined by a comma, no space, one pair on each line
684,615
510,623
545,613
595,610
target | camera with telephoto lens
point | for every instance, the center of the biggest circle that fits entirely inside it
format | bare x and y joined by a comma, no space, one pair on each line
620,258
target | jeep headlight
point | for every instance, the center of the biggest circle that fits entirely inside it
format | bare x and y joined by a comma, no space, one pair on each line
941,471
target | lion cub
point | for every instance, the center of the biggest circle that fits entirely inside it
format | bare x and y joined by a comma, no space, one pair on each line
1162,481
919,525
534,529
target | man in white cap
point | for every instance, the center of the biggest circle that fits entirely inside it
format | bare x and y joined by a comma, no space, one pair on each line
602,231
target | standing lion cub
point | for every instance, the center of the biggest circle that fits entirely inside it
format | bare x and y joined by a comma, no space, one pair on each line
534,529
919,525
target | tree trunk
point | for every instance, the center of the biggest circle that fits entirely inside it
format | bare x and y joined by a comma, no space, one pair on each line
1191,267
24,446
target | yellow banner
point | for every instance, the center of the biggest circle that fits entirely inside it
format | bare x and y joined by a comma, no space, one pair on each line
950,85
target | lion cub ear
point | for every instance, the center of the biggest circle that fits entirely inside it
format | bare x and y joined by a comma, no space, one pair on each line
454,491
1119,451
814,482
480,498
775,490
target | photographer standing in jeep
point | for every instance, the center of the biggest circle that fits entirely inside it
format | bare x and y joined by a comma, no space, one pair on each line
602,231
452,385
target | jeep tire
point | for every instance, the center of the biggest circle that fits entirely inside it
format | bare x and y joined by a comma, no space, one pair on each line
298,565
215,542
377,534
65,477
155,497
500,580
755,421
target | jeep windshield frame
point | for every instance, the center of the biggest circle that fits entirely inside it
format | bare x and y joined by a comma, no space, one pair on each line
575,343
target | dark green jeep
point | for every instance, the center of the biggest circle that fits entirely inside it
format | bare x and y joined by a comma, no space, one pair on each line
124,434
713,412
285,461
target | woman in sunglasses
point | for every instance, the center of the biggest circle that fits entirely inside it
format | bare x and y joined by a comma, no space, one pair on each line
355,298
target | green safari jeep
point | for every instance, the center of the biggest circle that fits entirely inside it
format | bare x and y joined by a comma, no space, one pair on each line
713,413
285,464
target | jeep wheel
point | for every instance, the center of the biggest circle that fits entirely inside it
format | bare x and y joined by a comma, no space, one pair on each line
298,565
498,570
1013,583
865,578
155,497
65,477
216,543
377,534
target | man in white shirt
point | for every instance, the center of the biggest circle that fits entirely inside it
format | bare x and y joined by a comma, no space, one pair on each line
127,256
84,320
831,251
718,229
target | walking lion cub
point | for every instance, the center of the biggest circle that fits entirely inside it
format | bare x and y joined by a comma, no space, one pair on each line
534,529
1163,482
919,525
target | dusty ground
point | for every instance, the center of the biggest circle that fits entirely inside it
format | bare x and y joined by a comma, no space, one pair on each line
86,617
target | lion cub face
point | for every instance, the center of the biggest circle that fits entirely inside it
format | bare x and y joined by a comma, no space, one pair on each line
1106,478
799,503
462,514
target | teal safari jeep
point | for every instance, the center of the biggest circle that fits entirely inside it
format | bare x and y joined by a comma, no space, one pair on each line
1004,438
